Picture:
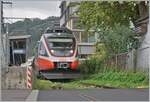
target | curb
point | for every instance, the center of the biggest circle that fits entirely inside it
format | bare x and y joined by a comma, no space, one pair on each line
33,95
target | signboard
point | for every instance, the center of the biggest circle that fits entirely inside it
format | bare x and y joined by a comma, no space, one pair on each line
19,51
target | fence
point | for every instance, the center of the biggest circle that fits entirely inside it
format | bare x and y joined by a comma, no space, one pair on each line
137,60
118,60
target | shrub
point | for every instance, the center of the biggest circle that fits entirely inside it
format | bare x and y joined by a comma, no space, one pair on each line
94,63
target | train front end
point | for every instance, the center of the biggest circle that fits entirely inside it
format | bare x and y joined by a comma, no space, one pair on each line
57,55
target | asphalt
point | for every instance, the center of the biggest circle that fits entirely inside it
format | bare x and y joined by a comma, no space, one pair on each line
14,95
76,95
94,95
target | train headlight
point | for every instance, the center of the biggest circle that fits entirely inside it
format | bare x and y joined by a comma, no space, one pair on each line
71,51
52,51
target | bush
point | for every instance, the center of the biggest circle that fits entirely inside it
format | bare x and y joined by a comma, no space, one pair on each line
118,39
87,66
92,65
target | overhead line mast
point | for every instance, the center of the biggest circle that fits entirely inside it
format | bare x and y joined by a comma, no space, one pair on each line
2,48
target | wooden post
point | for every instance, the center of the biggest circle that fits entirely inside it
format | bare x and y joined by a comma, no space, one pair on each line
135,60
116,60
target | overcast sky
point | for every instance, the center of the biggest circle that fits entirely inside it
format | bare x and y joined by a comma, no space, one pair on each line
32,8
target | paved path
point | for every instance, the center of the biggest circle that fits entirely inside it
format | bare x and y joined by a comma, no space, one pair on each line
77,95
15,95
94,95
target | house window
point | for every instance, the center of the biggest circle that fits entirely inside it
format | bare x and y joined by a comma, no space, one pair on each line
87,37
76,24
84,37
91,37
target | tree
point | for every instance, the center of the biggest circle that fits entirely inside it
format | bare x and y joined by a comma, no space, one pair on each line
94,14
104,13
111,20
118,39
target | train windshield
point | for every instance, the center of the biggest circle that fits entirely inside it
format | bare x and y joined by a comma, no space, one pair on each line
61,46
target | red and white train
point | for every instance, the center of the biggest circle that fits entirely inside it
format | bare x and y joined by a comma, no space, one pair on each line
56,57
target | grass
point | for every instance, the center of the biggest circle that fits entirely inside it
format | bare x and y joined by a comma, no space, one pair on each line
119,79
46,84
109,78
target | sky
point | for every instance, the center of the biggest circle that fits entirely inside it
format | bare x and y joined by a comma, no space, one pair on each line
32,8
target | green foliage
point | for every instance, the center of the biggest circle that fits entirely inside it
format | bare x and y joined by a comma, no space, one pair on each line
94,63
121,76
101,50
111,21
117,39
121,79
42,85
89,66
107,13
47,84
106,78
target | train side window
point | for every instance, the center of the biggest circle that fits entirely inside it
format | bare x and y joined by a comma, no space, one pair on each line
42,50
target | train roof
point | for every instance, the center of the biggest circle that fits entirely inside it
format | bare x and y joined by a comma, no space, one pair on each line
58,32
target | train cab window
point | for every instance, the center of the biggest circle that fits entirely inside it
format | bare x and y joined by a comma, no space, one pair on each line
63,46
61,43
42,50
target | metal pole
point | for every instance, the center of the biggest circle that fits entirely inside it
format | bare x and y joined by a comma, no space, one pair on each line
2,56
6,46
0,33
0,43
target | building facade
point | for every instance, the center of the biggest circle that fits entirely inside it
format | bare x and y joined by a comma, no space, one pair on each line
143,52
69,18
